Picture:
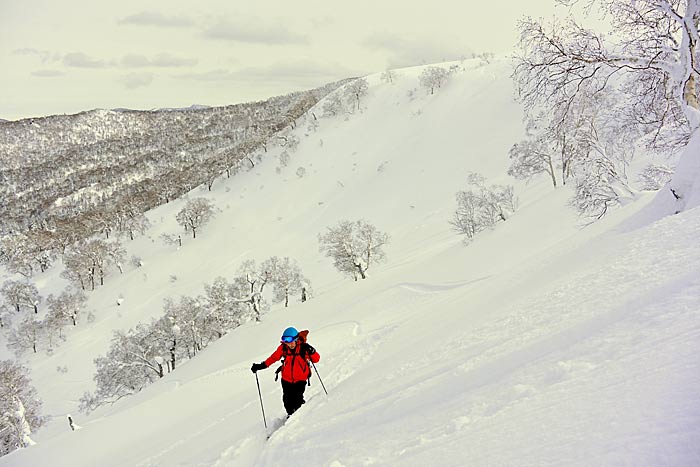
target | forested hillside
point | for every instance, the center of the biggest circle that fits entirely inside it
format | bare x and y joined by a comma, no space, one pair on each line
83,169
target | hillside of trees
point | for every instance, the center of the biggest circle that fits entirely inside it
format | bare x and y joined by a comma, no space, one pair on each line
82,169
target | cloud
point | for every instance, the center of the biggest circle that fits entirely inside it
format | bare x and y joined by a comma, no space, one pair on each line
152,18
44,55
253,32
163,60
299,71
137,80
213,75
48,73
80,60
303,73
403,52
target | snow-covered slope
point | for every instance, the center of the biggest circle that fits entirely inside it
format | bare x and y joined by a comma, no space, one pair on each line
539,344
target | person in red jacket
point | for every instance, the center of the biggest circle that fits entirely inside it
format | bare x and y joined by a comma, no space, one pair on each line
296,371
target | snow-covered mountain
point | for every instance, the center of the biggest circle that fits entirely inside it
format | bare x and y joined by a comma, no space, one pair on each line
539,343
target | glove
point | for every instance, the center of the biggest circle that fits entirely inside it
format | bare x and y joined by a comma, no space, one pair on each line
258,366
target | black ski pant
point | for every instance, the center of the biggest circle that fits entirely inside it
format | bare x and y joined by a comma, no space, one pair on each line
293,395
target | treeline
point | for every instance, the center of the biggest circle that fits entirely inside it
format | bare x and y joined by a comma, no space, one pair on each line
146,353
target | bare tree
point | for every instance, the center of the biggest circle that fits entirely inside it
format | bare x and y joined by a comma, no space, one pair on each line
131,364
222,308
333,105
130,220
67,306
540,153
16,255
286,276
248,287
196,213
27,335
652,59
354,247
77,265
356,90
433,77
481,207
90,260
21,294
655,176
389,76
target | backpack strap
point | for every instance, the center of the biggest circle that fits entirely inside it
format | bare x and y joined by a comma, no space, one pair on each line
306,351
285,353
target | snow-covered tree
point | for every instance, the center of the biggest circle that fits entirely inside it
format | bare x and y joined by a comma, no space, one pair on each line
655,176
26,335
89,260
130,220
355,91
16,255
599,187
77,266
651,60
222,309
196,213
389,76
541,152
103,221
131,363
481,207
433,77
287,278
67,306
20,408
23,252
353,246
21,294
187,319
333,105
248,287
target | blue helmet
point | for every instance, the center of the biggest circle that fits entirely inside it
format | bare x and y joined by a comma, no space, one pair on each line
290,332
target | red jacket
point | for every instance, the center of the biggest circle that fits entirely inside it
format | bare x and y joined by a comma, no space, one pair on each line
295,366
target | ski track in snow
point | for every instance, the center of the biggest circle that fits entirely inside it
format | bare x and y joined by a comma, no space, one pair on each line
425,288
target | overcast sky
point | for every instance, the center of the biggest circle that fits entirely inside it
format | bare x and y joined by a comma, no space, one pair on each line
65,56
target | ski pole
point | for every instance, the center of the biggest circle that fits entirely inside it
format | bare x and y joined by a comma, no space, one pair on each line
319,377
261,402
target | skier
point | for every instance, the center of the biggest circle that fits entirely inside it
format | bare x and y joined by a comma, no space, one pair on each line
296,353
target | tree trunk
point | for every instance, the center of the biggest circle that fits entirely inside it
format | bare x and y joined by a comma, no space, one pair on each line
172,354
551,171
